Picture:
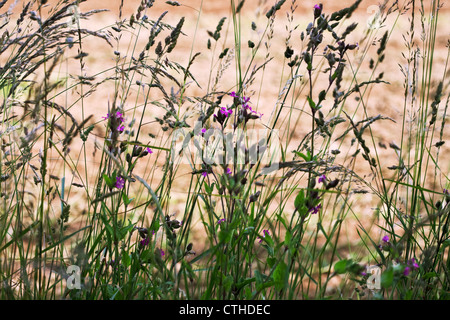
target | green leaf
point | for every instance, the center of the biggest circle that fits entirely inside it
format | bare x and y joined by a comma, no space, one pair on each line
322,95
259,277
224,236
125,199
109,182
299,201
228,282
311,103
208,188
155,225
126,259
340,266
262,281
287,238
280,275
429,275
245,282
387,278
125,230
146,255
303,156
271,262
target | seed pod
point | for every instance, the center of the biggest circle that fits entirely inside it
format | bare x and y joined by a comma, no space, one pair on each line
137,151
142,232
332,184
318,10
254,197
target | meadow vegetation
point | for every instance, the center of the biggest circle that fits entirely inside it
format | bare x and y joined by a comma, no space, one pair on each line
284,200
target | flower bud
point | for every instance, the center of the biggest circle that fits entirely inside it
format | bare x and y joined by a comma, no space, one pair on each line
317,10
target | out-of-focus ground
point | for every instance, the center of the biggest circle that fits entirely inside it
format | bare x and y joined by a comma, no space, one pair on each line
387,100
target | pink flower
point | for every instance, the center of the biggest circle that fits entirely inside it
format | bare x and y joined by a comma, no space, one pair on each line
413,263
407,271
119,116
233,94
120,182
149,150
317,10
315,209
144,242
226,112
203,130
265,233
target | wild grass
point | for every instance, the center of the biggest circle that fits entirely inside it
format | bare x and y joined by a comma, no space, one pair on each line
270,204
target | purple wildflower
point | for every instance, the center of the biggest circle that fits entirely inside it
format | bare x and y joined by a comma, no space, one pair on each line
203,130
315,209
246,107
119,116
385,238
225,111
118,120
220,221
149,150
205,174
317,10
413,263
229,171
144,242
162,253
120,182
265,233
233,94
322,179
407,271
